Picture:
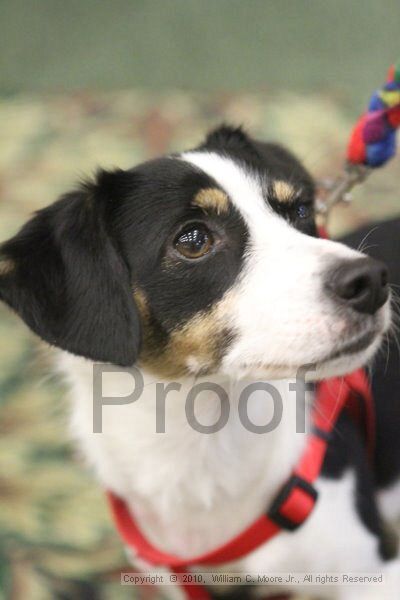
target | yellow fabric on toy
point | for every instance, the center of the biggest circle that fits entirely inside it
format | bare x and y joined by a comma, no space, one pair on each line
390,98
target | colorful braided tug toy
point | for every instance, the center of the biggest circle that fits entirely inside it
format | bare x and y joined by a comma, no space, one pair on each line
372,141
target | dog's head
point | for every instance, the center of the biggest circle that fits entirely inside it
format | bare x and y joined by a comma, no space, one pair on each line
202,262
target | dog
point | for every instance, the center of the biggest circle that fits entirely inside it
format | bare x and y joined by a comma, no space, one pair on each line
206,266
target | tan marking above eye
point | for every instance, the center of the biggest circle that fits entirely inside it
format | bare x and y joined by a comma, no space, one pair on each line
212,199
283,191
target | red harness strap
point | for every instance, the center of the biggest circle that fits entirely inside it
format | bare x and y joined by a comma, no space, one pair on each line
291,507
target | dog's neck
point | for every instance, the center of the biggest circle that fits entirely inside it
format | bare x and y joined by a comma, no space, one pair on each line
190,490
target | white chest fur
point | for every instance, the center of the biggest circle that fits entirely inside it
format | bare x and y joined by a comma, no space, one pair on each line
190,490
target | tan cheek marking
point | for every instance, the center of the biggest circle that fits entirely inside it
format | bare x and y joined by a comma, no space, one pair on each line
197,338
141,303
212,199
7,266
283,191
197,342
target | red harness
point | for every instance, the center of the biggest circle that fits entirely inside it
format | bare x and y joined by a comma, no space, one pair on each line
292,505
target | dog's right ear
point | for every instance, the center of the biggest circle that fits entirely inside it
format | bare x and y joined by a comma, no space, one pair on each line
63,274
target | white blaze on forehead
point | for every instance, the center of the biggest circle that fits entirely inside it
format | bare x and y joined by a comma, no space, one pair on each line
278,307
243,188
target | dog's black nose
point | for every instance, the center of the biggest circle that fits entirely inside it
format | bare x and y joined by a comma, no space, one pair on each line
362,284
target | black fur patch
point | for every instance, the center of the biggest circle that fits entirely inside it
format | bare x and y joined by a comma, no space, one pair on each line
146,223
382,241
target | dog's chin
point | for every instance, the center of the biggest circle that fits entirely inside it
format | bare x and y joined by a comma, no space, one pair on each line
357,352
350,353
348,357
347,362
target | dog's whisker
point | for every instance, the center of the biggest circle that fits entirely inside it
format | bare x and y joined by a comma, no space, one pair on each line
364,249
366,236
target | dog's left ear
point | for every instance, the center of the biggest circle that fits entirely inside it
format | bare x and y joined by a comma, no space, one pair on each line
63,274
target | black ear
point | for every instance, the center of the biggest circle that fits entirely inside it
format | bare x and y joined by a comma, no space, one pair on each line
62,273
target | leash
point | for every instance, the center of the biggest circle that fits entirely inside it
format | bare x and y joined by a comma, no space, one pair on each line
291,507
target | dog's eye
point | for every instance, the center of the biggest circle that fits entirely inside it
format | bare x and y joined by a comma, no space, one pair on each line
194,241
303,211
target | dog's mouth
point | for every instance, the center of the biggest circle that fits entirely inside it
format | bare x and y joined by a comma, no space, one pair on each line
349,349
354,346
